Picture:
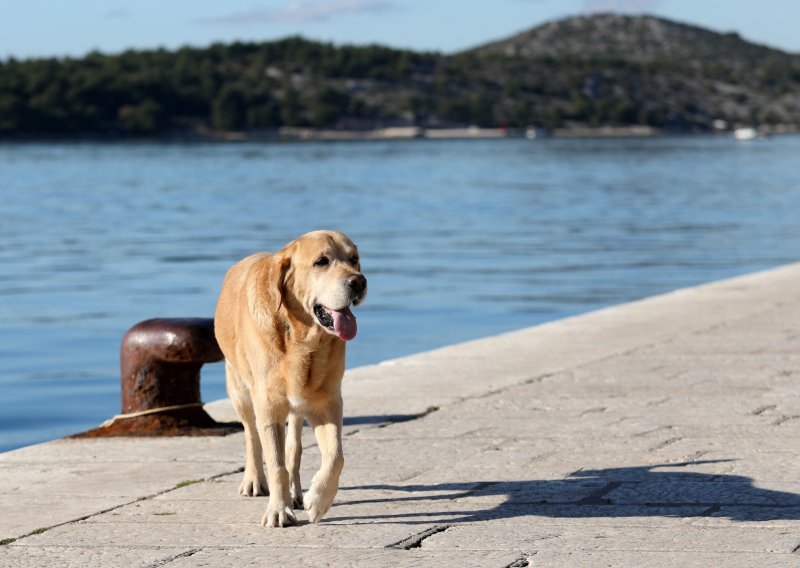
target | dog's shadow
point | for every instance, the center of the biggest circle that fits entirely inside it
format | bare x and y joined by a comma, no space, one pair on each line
642,491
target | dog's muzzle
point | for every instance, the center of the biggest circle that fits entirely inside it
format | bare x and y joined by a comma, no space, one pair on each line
342,321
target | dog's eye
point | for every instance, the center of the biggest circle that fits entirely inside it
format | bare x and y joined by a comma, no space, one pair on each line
322,261
354,260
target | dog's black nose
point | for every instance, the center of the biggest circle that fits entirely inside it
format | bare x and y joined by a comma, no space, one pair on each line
357,283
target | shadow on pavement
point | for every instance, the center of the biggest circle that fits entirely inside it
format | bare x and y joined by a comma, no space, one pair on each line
641,491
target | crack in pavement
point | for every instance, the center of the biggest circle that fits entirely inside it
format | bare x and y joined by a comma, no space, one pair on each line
415,540
522,562
165,561
665,443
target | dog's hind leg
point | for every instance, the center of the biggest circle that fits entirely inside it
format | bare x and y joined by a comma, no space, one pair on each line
294,449
328,431
254,482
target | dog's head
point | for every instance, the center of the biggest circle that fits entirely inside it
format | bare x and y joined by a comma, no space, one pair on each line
321,272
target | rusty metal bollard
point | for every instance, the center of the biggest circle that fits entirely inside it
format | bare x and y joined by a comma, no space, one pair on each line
160,361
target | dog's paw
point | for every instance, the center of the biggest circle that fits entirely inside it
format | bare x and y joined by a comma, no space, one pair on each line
278,516
252,486
316,506
297,500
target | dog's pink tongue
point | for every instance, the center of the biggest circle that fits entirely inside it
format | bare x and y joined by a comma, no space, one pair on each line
344,324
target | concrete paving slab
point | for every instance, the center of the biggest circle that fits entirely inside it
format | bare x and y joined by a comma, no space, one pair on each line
661,559
754,464
17,556
689,538
589,514
763,517
23,514
67,480
127,450
360,533
257,557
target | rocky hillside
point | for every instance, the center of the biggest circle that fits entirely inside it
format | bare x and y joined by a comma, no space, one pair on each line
612,69
634,38
588,71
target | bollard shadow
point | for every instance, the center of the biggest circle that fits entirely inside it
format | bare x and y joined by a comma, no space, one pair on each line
380,419
641,491
383,420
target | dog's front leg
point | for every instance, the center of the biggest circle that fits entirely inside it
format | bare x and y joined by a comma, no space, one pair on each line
271,420
294,450
328,431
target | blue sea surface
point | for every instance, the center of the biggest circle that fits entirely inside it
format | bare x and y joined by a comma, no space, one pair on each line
459,240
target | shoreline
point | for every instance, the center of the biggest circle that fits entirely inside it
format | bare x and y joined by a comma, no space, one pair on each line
301,134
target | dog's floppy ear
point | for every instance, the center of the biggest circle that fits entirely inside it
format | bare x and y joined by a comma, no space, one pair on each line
275,278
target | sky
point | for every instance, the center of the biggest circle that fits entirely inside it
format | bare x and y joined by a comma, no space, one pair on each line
44,28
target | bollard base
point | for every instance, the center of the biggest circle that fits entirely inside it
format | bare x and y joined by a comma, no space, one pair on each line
184,422
160,361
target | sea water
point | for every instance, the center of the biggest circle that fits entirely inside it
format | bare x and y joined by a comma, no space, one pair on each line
459,239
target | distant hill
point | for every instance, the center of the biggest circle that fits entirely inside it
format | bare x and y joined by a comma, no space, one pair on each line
587,71
634,38
615,69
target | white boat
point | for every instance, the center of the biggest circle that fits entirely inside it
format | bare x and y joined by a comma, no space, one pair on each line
746,133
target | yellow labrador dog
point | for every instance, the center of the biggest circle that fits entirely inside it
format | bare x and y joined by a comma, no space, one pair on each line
282,321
